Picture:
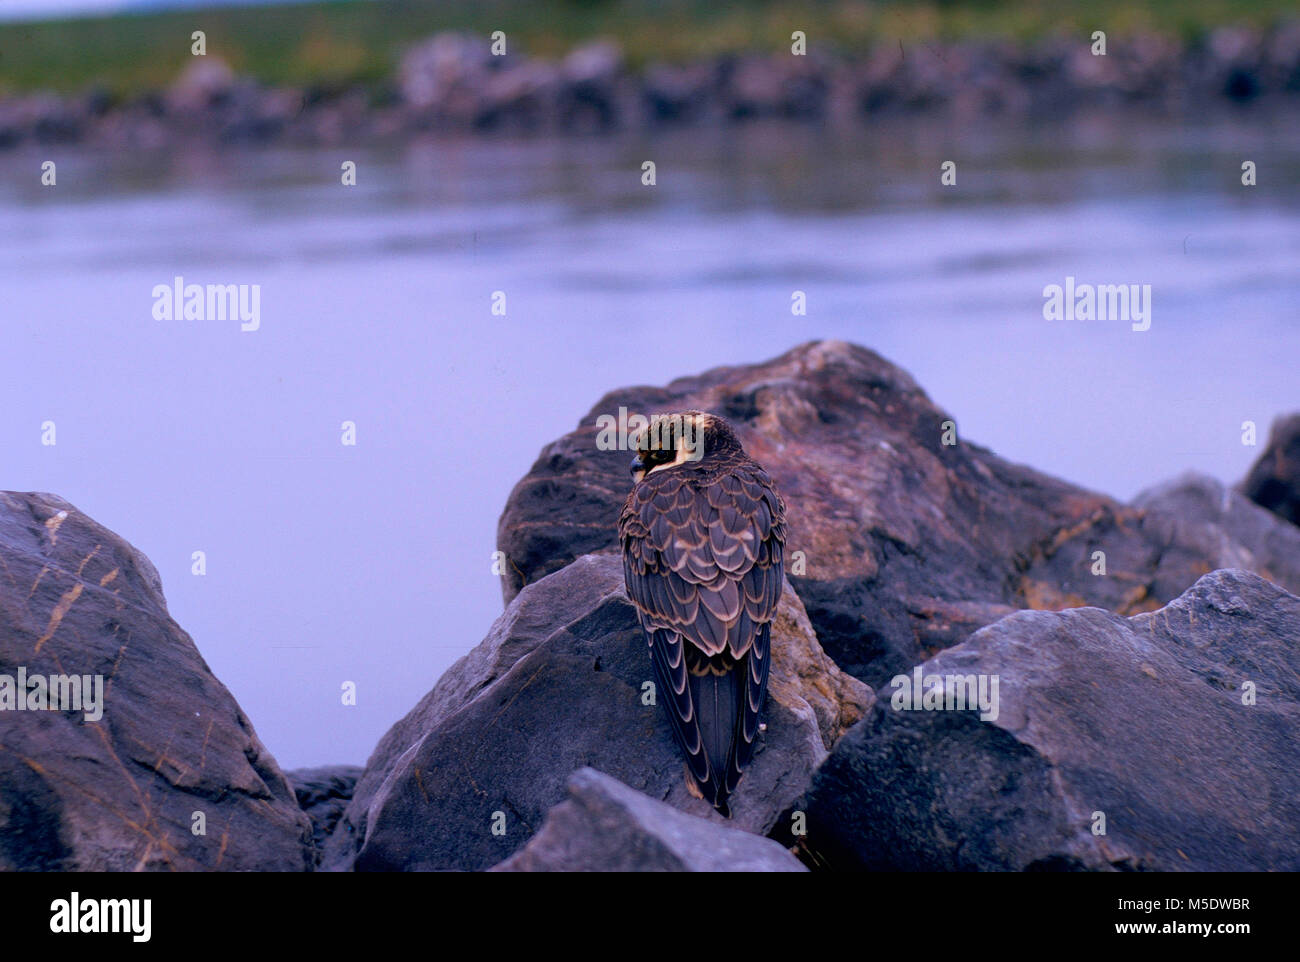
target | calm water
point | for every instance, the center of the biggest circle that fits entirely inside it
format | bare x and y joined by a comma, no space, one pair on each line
371,563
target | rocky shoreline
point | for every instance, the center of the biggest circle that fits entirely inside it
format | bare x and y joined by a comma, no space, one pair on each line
1148,713
452,83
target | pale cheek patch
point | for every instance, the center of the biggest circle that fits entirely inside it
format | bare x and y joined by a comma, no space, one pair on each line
683,456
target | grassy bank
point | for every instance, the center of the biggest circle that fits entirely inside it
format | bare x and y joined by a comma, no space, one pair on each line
350,41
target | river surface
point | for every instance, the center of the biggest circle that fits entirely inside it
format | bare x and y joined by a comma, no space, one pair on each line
371,563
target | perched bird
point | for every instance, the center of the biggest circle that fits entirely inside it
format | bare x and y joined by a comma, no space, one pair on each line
703,536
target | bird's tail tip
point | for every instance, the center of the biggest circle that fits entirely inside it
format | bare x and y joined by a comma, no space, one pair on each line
695,790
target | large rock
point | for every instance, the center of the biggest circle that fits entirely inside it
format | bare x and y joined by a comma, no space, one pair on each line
604,826
910,544
121,793
323,793
205,82
1274,480
1148,720
557,685
1207,523
445,73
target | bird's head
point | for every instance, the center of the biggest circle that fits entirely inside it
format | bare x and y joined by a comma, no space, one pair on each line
670,440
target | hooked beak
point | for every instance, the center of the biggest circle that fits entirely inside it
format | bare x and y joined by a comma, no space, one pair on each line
638,468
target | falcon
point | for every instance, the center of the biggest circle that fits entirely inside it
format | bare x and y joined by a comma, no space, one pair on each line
703,536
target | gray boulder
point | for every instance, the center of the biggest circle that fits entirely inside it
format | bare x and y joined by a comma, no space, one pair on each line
1179,727
558,684
604,826
123,792
1202,521
445,73
204,83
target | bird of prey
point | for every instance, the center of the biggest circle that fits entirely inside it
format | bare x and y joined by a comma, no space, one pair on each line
703,536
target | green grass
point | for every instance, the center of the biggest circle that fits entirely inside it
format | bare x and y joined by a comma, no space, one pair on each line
349,41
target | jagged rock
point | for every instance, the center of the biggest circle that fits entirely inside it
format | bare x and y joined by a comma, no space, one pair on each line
203,83
604,826
523,94
590,94
761,86
1211,523
1236,54
452,81
121,793
1284,56
558,685
323,793
444,64
909,544
1274,479
1148,720
676,92
597,62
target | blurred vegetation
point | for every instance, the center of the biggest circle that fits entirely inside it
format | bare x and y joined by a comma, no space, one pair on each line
340,42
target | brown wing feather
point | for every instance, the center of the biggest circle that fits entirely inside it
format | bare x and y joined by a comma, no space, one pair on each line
668,655
756,666
705,561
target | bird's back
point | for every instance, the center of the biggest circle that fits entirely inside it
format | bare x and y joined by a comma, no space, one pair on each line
703,552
